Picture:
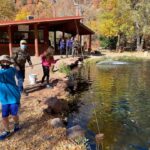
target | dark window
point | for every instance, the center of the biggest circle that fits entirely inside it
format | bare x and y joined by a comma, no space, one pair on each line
4,38
28,36
41,36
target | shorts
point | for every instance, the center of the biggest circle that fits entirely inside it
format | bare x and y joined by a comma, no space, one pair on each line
10,109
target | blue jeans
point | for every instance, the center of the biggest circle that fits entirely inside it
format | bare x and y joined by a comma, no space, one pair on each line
20,74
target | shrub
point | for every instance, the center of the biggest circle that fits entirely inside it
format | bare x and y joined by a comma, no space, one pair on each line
108,42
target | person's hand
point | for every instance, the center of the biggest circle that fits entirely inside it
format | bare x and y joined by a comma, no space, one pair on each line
57,60
17,68
52,68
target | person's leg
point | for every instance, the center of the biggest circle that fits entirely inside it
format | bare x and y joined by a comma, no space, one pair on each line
44,73
70,50
67,51
47,74
6,124
14,108
61,52
5,114
73,50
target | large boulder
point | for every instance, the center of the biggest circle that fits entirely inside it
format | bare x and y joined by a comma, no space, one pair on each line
56,123
56,106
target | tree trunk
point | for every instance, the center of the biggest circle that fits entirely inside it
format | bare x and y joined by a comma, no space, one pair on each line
142,43
118,43
138,39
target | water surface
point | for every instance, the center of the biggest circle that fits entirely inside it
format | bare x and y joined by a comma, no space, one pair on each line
120,95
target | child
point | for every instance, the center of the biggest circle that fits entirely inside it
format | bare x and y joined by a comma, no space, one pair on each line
47,61
9,95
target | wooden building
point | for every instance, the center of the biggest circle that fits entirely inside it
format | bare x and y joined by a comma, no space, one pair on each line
36,32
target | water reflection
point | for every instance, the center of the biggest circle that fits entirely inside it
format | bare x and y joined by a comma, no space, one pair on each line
122,99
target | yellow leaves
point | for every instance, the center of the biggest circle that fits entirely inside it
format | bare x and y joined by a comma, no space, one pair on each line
94,25
108,28
114,17
43,9
22,14
109,4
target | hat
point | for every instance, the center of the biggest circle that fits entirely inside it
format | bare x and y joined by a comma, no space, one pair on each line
6,58
23,42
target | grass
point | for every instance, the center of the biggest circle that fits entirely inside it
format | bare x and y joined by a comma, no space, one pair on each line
70,145
65,69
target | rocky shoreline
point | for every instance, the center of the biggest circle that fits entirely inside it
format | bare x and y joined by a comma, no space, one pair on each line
43,114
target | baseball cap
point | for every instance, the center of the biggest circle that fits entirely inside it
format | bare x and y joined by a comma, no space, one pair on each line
23,42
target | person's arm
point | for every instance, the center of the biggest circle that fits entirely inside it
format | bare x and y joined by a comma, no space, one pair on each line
14,58
56,60
29,59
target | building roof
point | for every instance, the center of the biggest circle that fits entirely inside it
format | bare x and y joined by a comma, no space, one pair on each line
69,24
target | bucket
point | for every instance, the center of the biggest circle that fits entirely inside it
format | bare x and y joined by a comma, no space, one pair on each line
32,78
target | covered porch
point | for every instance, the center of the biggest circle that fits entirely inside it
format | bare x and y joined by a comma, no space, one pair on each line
36,32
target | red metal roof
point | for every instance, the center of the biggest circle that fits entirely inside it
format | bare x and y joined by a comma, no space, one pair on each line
6,23
69,24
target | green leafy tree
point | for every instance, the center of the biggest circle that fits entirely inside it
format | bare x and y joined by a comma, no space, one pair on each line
141,18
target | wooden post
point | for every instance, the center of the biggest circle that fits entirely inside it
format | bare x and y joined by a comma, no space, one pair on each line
55,46
36,40
90,42
10,40
81,40
46,36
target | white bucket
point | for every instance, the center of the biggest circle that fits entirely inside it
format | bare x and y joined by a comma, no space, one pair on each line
32,78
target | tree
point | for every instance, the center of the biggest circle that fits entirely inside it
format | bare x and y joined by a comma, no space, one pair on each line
141,18
42,9
22,14
7,9
115,20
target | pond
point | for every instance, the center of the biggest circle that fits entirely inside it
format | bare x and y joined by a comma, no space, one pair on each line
117,103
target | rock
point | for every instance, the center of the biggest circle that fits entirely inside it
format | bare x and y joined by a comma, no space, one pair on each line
75,132
56,105
56,123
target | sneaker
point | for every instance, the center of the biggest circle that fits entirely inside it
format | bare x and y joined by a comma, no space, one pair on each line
4,135
48,86
16,127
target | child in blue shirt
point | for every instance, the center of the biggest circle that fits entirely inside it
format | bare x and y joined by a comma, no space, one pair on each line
9,95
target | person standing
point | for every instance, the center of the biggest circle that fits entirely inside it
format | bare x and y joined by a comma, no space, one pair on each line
62,46
9,95
69,43
75,47
20,56
47,62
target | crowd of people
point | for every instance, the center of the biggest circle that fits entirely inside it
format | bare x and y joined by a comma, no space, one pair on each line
71,46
